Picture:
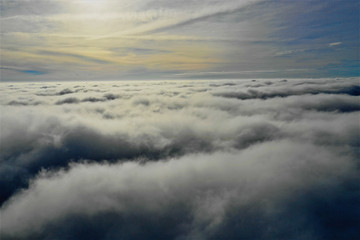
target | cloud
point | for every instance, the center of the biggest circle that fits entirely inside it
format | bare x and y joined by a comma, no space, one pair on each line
335,44
65,91
24,8
74,55
161,40
211,191
27,71
180,159
285,91
138,51
23,103
209,12
68,101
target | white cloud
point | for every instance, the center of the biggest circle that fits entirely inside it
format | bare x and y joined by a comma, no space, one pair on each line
188,159
335,44
209,184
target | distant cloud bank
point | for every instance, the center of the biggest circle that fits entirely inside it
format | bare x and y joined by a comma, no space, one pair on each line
209,159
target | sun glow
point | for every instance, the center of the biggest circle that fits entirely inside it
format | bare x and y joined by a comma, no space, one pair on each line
92,6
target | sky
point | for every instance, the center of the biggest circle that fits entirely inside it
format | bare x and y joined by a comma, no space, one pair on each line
157,39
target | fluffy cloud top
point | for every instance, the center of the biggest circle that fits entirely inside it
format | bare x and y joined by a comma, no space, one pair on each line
247,159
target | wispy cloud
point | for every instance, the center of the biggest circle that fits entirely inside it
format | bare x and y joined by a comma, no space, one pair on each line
335,44
73,55
27,71
213,11
111,39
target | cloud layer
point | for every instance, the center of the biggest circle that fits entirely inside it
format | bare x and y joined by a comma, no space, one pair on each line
245,159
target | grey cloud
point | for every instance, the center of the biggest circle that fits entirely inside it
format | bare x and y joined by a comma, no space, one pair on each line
52,144
23,103
200,196
195,19
296,108
77,56
331,103
68,101
25,8
138,51
285,92
93,99
65,91
71,100
45,91
110,96
105,97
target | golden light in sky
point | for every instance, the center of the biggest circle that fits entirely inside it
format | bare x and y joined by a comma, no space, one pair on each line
108,39
91,6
